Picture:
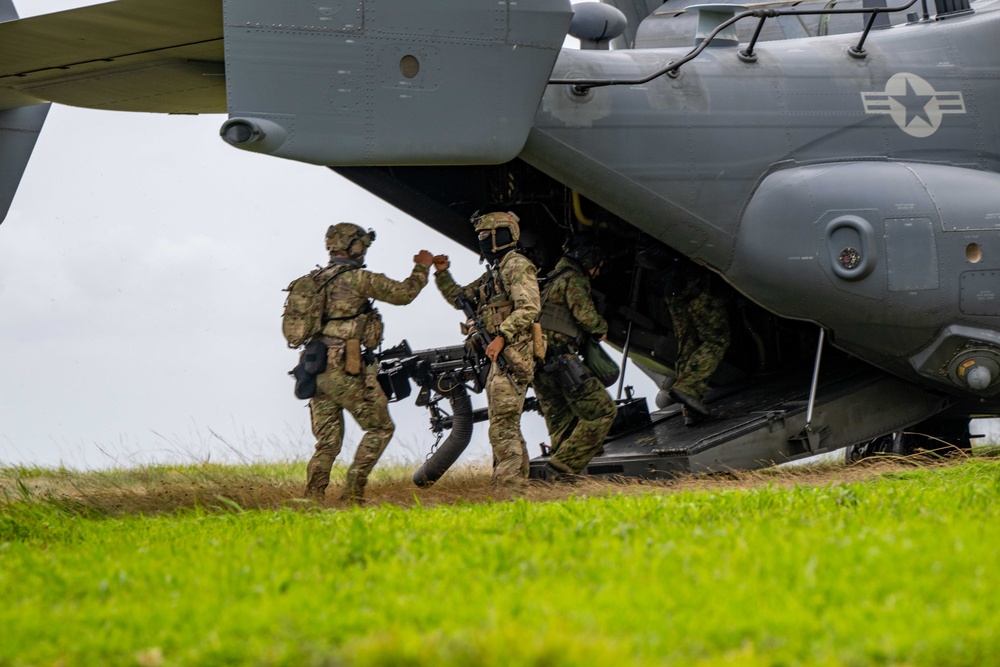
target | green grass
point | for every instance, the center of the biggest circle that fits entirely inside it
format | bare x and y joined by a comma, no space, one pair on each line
902,569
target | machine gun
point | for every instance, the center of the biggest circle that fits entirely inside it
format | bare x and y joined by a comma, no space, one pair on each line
438,372
444,372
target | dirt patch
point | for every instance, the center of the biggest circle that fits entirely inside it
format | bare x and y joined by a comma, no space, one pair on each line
233,489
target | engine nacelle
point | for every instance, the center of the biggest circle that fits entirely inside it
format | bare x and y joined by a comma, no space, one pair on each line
393,82
909,282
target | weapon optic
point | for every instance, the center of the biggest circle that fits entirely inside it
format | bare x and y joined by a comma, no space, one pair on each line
443,372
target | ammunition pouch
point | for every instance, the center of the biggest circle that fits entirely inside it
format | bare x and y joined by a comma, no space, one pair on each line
365,325
568,372
312,362
493,315
373,330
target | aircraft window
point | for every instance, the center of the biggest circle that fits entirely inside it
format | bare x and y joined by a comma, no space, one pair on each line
974,253
849,258
409,66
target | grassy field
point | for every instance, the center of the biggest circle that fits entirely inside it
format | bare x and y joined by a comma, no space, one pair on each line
891,563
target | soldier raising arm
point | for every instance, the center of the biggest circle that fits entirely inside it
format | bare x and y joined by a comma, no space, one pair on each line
350,380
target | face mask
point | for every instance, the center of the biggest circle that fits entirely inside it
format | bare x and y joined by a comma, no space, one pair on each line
499,238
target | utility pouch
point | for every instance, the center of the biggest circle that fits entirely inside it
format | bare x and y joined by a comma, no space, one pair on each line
352,356
312,362
373,330
538,341
305,383
313,357
569,372
519,360
599,362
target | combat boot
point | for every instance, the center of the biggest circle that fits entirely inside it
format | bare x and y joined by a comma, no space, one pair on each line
692,419
314,493
690,400
559,476
354,491
352,497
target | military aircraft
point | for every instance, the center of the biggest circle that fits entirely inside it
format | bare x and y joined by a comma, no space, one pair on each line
841,183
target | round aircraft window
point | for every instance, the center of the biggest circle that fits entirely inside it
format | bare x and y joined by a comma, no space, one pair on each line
851,242
849,258
409,66
974,253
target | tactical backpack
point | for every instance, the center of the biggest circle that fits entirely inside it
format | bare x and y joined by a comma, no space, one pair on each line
303,315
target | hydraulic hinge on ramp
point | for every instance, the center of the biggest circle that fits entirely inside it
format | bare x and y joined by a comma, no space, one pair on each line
856,413
847,411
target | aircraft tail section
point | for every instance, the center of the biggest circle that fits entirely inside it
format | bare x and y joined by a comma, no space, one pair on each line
388,82
19,129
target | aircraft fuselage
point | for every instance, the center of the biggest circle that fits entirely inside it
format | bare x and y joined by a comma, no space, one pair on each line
858,193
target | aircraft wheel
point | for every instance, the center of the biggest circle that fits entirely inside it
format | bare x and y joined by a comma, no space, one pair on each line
893,444
938,437
941,436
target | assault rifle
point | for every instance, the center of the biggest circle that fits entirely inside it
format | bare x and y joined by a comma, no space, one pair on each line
467,307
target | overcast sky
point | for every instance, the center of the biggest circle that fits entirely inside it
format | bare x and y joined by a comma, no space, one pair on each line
141,274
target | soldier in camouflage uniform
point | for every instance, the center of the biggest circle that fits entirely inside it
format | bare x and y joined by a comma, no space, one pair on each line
698,311
350,321
578,413
506,299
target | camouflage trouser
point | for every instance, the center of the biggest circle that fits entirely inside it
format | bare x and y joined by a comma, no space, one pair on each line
362,396
701,325
506,400
577,423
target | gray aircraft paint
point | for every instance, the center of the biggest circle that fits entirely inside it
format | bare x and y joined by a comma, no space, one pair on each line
406,88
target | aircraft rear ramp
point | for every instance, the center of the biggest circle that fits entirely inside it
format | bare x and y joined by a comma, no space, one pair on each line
762,424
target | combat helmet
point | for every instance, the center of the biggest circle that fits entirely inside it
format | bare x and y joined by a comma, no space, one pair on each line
583,250
498,232
347,238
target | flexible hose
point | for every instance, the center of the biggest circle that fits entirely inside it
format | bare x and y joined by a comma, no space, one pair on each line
448,452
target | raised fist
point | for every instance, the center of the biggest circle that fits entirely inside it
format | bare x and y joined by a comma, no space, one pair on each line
423,257
441,262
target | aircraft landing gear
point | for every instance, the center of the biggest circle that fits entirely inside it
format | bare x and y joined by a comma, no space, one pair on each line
937,436
887,445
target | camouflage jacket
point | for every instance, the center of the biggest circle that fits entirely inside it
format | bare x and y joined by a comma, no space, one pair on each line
569,287
348,313
509,305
